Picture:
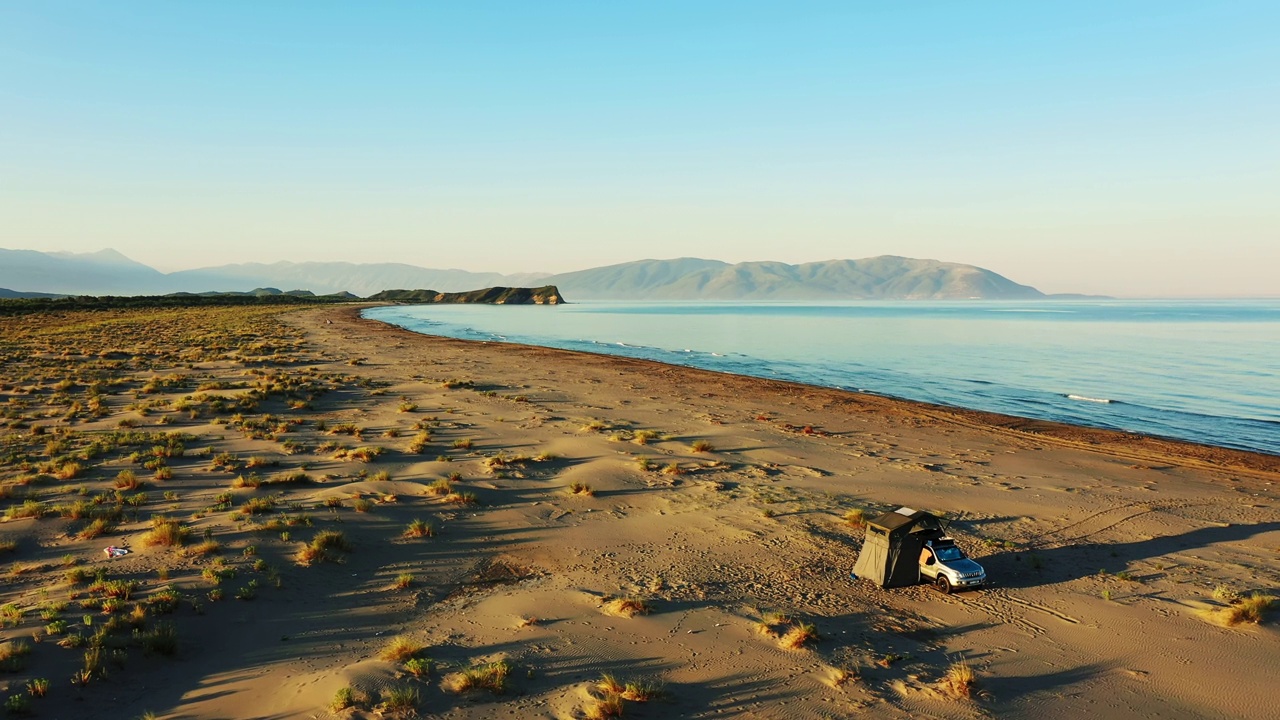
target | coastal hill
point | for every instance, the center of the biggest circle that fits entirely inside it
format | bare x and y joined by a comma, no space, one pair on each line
546,295
880,278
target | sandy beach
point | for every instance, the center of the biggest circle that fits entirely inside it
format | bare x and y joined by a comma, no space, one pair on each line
559,493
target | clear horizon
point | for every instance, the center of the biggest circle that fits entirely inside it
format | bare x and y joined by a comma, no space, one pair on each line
1094,148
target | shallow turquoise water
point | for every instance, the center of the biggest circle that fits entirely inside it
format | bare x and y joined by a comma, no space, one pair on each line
1206,371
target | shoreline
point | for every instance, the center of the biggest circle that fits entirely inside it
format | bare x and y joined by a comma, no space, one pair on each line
1117,443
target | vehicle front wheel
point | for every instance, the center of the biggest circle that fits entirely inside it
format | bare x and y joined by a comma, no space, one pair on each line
944,585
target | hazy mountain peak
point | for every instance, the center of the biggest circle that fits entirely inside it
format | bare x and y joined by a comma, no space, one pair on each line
105,256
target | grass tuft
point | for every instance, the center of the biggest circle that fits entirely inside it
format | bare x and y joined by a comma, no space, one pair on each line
1251,608
492,677
419,528
856,518
166,532
323,548
960,681
798,636
342,699
627,607
401,701
399,649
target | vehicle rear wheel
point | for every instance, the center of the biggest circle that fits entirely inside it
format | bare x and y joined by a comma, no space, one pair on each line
944,585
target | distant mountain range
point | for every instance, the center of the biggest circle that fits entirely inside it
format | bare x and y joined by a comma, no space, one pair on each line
880,278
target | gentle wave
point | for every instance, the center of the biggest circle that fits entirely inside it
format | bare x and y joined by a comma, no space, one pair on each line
1086,398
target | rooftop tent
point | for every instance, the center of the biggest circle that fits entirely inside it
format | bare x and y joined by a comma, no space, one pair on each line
890,554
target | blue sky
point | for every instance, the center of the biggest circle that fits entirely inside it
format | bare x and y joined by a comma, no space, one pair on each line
1124,148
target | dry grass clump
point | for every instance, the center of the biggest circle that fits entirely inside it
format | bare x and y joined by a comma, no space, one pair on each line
10,614
418,444
856,518
69,471
960,681
166,532
609,706
641,690
644,437
255,506
365,454
18,568
346,697
798,636
127,480
403,581
1251,608
419,529
702,446
610,685
440,488
324,547
771,621
614,692
1226,594
13,655
28,509
101,526
400,701
462,498
491,676
288,477
399,649
627,607
208,547
347,429
581,489
790,633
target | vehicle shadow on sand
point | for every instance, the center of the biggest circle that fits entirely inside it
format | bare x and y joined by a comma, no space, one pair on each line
1031,567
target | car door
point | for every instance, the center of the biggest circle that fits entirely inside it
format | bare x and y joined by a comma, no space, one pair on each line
928,564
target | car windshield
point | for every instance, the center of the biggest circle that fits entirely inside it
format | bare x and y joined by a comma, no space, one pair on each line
949,553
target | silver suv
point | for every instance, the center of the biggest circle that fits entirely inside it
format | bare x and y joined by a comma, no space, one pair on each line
946,565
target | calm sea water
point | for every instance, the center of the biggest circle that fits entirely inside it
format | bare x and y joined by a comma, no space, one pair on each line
1202,371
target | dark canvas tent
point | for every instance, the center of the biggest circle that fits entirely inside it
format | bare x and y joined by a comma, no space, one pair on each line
891,551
